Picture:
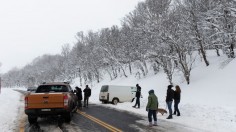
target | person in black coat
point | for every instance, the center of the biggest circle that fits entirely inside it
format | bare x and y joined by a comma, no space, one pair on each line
87,94
137,95
79,96
169,100
177,100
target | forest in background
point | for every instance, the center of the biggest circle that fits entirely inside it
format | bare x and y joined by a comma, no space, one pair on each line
161,34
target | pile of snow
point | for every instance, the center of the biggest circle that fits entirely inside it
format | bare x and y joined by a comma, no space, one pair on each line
10,102
207,104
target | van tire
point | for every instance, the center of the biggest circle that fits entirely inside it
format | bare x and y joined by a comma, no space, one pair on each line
115,101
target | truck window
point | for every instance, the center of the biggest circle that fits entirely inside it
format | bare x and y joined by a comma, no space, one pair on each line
51,88
104,89
70,89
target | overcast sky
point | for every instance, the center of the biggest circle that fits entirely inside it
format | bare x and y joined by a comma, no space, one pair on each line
31,28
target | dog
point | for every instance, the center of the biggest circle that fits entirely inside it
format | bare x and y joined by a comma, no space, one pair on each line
162,111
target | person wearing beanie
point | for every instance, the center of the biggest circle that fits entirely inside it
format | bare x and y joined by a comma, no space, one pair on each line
169,100
152,107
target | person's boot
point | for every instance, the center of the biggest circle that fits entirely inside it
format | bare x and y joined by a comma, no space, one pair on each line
178,114
150,124
174,113
155,123
169,117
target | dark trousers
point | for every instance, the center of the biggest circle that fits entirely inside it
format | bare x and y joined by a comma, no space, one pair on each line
79,103
86,99
152,113
137,102
176,106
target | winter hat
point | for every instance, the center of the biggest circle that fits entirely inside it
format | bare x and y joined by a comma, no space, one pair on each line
151,91
170,86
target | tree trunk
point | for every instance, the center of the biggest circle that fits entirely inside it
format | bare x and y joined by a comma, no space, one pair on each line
169,75
204,55
187,79
130,69
231,50
199,39
97,76
114,72
145,67
217,51
109,74
123,71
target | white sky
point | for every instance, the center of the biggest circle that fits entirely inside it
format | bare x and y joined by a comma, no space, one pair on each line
31,28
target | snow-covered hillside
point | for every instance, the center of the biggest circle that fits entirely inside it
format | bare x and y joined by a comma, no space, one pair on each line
207,104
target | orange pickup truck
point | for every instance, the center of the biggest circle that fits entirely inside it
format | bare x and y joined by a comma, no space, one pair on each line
56,98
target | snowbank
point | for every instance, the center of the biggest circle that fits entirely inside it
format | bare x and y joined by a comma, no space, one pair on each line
10,102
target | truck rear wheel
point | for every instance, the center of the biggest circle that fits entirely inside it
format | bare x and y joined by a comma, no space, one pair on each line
32,119
67,117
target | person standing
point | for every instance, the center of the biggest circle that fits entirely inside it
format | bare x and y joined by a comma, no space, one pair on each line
177,100
79,96
137,95
152,107
169,100
87,94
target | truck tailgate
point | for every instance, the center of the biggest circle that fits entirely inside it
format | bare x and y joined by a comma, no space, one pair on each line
45,100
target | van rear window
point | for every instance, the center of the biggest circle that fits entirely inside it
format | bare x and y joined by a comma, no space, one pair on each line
104,89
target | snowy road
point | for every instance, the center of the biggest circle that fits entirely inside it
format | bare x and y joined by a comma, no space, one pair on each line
101,119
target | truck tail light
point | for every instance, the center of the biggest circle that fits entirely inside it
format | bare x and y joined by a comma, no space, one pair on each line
26,102
66,101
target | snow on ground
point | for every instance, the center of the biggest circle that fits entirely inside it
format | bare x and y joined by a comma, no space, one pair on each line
207,104
10,101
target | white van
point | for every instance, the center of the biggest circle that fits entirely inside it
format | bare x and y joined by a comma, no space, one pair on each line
115,94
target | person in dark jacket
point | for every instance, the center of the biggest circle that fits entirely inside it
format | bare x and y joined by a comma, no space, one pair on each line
87,94
169,100
137,95
79,96
152,107
177,100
